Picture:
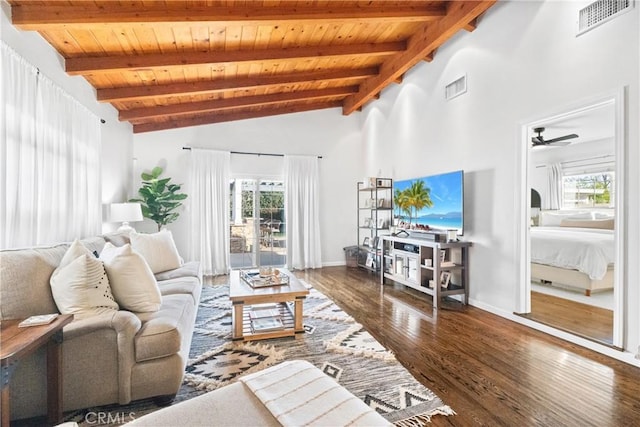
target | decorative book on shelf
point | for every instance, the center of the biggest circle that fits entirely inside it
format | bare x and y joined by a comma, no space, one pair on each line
257,280
41,319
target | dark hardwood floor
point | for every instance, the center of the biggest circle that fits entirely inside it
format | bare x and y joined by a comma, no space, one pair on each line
585,320
490,370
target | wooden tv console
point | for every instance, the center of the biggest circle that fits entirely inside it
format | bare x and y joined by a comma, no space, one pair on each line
412,262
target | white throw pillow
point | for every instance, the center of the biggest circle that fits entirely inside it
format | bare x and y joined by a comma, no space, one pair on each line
133,284
158,249
75,250
80,285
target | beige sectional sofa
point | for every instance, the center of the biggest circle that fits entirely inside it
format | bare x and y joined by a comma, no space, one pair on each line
108,358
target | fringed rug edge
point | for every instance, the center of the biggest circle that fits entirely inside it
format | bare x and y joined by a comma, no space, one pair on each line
420,419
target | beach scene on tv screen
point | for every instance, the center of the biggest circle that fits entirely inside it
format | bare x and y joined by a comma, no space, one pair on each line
431,201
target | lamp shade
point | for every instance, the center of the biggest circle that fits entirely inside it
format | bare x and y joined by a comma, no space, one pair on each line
126,212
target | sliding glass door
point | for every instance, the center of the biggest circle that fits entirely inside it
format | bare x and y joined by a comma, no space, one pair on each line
257,223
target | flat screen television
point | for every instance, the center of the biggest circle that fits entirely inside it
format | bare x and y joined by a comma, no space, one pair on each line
433,202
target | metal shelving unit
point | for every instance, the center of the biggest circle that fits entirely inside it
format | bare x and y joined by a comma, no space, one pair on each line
375,217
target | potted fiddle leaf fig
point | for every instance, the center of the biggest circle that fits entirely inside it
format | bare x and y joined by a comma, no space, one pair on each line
158,198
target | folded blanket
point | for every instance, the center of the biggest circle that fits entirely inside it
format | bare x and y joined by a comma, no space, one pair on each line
299,394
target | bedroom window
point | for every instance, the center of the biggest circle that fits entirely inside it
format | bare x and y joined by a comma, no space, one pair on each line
594,190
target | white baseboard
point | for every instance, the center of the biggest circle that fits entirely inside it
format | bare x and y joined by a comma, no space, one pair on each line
334,263
621,355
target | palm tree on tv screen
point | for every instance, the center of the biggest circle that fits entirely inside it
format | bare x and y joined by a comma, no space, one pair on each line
418,197
401,202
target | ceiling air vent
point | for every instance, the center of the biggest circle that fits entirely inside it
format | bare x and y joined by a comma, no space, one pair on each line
456,88
601,11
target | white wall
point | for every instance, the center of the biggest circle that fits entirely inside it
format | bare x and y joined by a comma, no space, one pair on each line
116,136
522,62
324,133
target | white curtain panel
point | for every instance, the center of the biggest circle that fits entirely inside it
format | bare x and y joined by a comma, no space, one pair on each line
553,199
302,212
50,167
209,206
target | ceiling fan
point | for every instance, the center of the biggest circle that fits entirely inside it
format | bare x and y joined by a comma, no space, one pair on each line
559,141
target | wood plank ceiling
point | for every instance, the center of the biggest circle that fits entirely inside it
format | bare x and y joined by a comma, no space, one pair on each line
170,64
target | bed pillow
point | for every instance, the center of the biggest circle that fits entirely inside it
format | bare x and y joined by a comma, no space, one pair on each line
158,249
554,218
606,224
133,284
80,285
603,215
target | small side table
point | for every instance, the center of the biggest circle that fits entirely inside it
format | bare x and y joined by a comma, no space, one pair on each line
17,343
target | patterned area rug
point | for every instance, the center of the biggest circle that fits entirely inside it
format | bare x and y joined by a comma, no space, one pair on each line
333,342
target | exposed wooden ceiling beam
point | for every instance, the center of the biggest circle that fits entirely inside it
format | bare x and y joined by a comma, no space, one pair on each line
229,116
471,26
91,15
104,64
217,86
424,41
429,57
137,114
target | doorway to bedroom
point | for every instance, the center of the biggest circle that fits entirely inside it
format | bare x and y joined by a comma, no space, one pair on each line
573,232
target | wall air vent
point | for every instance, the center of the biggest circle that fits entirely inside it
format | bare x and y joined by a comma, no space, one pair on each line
456,88
601,11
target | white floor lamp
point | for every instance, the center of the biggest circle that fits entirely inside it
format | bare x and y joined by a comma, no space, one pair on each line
125,213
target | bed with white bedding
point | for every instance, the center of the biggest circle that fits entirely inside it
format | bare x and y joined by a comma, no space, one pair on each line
575,256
